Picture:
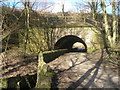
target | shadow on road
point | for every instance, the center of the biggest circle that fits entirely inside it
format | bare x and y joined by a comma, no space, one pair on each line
79,82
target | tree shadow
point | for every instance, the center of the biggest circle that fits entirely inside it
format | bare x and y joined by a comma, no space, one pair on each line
26,61
73,65
16,66
59,71
79,82
112,83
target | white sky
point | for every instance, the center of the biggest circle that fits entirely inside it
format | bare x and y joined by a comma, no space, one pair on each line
69,5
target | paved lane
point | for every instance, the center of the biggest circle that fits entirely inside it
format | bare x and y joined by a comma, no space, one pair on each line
76,70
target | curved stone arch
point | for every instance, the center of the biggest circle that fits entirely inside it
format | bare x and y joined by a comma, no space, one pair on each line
67,42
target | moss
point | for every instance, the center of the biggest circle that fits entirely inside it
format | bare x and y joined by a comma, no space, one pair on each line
45,80
51,55
91,50
3,83
36,40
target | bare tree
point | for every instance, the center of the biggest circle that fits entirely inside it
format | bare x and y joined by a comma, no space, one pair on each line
9,21
111,32
8,24
94,7
106,25
115,35
27,21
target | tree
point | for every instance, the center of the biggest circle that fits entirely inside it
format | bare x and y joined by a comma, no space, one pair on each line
108,29
10,22
27,21
63,8
114,25
111,32
106,34
93,6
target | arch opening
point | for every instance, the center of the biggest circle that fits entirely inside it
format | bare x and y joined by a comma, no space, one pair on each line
71,43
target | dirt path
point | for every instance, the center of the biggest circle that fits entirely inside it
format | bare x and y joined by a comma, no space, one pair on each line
76,70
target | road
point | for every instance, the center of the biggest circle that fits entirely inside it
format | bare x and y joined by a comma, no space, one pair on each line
77,70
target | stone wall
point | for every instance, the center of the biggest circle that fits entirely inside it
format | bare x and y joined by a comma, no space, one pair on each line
86,33
45,38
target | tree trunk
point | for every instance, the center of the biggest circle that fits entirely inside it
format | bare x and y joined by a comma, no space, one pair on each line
106,25
94,6
27,21
114,25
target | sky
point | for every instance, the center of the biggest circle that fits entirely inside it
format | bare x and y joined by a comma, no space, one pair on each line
56,5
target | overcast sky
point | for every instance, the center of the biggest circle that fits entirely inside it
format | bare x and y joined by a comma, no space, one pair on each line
56,5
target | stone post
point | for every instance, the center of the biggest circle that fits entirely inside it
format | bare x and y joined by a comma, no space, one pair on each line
41,73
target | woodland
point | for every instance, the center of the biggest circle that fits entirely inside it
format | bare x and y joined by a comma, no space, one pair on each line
27,34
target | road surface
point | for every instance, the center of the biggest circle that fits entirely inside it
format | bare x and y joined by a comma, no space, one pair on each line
76,70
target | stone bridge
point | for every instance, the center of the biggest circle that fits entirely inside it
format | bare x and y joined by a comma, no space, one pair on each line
66,37
63,38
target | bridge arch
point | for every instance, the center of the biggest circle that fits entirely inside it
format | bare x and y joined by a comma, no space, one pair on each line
67,42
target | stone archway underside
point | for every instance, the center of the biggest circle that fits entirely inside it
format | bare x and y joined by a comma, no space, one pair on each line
67,42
